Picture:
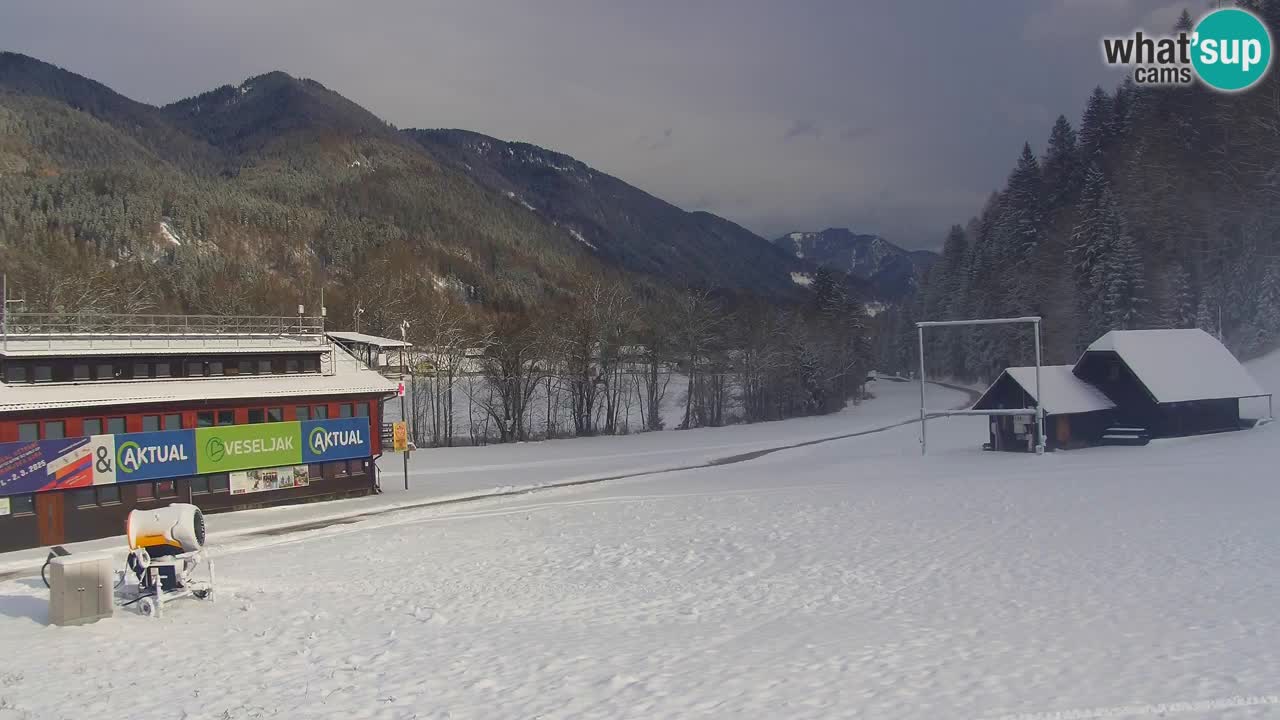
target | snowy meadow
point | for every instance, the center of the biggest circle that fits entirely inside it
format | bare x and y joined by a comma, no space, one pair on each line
846,579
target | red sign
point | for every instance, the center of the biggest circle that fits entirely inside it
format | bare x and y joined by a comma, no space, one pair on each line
400,390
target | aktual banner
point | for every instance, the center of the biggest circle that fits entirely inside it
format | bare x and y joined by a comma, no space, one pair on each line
144,456
27,467
243,447
336,439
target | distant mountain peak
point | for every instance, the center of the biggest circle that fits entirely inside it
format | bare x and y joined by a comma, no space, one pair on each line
892,271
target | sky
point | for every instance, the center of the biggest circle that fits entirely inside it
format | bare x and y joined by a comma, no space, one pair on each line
896,118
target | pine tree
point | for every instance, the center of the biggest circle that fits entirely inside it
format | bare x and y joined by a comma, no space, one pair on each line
1206,315
1180,307
1123,285
1022,219
1062,171
1184,23
1268,317
1096,125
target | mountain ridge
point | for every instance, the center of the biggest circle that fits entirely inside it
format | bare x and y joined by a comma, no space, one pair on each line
892,272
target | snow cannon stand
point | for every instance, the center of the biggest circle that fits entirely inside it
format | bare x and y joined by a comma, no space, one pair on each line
166,546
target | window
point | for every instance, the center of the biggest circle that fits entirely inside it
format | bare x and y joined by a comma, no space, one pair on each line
257,415
246,366
344,410
291,365
28,431
44,373
200,485
302,412
80,372
22,504
316,471
310,364
204,418
195,368
362,409
166,489
82,498
226,417
173,421
141,370
15,372
55,430
275,414
105,371
115,425
219,483
150,423
92,426
145,491
320,412
215,367
162,369
108,494
264,366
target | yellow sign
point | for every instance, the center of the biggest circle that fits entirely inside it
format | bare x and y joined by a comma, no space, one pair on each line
400,436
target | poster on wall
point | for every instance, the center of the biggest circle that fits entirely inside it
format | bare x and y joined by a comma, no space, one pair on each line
27,467
4,506
264,479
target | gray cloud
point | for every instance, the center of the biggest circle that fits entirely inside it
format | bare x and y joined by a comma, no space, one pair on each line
831,113
802,128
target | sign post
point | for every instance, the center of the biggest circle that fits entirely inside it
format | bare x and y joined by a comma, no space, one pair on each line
404,418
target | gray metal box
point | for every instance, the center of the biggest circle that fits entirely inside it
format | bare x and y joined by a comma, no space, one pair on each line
80,589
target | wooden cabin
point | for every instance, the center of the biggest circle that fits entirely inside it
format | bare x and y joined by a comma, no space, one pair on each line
1076,413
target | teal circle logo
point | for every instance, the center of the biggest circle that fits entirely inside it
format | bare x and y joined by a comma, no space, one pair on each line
1231,49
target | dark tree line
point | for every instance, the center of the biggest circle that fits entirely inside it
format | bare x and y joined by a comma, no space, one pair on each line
609,347
1158,210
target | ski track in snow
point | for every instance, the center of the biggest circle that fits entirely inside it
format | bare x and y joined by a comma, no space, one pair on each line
850,579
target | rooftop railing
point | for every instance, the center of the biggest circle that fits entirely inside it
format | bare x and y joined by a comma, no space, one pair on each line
85,327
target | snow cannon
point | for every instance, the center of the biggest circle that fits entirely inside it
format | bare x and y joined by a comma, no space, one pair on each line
166,545
177,528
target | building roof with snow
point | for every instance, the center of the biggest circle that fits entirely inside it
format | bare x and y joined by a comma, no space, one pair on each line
1063,392
1178,365
341,374
363,339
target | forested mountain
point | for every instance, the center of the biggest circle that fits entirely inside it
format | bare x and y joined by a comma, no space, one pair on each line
890,271
619,223
1158,209
247,199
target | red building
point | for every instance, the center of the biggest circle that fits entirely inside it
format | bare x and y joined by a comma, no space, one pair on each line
99,417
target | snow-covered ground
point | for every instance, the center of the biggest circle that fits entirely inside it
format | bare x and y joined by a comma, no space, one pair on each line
852,578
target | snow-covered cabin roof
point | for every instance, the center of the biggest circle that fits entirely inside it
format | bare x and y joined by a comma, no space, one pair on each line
349,377
1063,392
1179,365
355,337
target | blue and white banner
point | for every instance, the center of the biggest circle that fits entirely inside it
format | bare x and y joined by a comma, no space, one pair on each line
151,455
335,439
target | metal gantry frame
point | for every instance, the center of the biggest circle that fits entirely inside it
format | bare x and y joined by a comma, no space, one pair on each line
1038,410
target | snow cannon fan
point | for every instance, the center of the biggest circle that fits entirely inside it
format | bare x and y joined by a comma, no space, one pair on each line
172,530
165,546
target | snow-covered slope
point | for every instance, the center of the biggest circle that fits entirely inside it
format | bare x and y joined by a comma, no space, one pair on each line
847,579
